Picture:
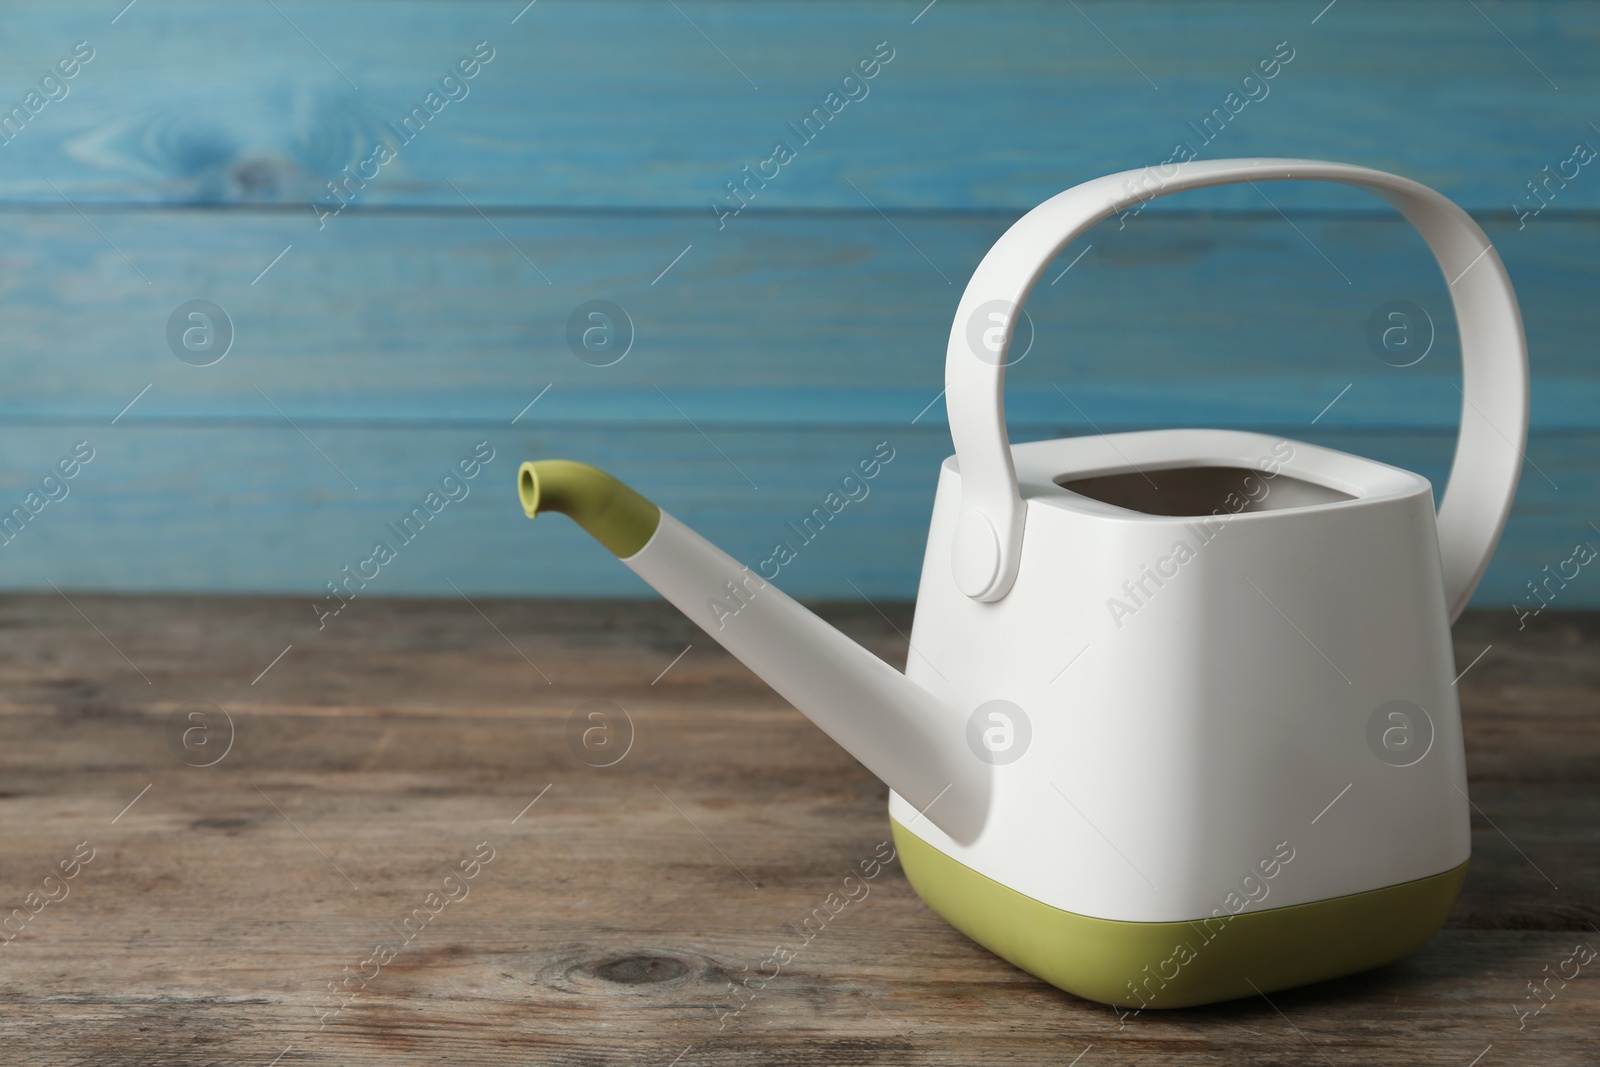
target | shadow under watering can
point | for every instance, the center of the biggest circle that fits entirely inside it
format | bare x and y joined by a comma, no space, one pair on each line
1206,804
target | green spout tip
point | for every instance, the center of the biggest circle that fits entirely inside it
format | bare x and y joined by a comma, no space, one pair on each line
612,513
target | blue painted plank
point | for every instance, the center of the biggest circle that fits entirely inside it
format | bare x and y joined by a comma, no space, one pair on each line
410,325
424,320
214,509
642,104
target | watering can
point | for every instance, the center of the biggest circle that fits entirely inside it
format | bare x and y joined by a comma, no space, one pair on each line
1179,722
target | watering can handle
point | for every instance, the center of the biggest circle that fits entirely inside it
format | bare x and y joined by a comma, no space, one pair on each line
1494,356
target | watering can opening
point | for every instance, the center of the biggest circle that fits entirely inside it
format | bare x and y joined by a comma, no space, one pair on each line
1200,490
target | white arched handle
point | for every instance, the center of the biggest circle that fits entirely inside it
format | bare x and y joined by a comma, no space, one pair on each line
1494,356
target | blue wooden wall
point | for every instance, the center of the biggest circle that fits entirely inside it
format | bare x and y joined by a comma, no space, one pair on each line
190,159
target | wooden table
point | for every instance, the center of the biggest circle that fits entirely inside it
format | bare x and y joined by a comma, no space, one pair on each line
375,757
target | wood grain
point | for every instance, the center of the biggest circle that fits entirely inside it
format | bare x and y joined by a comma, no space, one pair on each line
636,105
616,909
258,508
434,308
396,345
802,320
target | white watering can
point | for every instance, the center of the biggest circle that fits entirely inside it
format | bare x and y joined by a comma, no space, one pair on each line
1178,724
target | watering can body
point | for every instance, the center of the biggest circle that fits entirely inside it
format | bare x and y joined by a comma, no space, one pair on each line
1238,758
1178,721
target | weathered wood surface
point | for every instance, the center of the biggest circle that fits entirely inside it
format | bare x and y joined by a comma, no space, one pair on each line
179,163
793,344
638,105
376,754
197,510
798,320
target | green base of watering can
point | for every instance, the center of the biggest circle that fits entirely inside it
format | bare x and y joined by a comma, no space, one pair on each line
1141,965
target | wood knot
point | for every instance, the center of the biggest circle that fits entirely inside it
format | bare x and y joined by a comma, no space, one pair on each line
630,970
641,970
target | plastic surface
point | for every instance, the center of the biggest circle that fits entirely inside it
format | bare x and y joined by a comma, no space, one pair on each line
611,512
888,722
1178,694
1494,417
892,725
1139,966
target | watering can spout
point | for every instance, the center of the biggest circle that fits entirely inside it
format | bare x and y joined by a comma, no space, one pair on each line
898,730
609,511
